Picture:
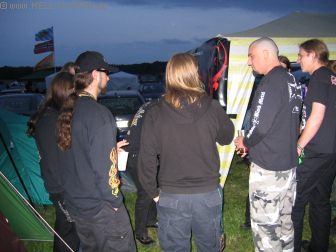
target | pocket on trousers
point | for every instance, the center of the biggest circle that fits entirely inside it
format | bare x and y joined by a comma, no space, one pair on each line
118,231
167,202
120,242
265,207
213,200
168,215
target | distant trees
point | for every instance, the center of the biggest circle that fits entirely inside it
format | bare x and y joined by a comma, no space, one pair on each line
155,68
14,73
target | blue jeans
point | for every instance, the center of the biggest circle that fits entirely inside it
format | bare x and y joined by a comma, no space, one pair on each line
180,215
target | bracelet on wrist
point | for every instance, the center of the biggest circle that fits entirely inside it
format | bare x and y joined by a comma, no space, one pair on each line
299,147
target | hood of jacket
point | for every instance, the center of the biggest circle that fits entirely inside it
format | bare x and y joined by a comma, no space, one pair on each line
189,113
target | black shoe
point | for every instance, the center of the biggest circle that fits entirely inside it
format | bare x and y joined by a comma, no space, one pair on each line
245,225
145,240
154,225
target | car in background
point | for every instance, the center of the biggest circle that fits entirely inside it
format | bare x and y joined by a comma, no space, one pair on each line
123,104
12,91
21,103
152,90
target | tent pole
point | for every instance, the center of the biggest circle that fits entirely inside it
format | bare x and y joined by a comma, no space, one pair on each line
34,210
15,168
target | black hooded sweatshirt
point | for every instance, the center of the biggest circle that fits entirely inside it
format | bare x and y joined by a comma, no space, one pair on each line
186,140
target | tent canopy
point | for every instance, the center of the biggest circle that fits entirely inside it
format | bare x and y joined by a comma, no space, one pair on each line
123,81
296,24
23,151
48,79
20,215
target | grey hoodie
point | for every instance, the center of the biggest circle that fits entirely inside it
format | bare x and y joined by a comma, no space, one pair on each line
185,140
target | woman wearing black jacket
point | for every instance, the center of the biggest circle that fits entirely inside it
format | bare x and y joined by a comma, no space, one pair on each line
43,127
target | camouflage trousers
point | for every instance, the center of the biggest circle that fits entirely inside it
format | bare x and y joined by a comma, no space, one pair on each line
272,195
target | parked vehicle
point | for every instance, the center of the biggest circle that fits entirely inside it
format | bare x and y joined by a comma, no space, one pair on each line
21,103
12,91
123,105
152,90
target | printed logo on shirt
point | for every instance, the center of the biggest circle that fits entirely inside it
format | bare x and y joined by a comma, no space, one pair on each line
255,119
137,116
294,89
296,110
303,118
114,180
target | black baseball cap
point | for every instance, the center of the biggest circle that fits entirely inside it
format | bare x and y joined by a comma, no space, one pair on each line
90,60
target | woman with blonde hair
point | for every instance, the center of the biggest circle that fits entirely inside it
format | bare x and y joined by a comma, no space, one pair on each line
182,129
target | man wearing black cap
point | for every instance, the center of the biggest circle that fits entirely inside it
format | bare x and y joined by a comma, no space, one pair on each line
87,134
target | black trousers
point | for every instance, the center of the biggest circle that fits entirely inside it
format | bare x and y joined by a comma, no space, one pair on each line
108,230
314,184
247,211
145,207
64,226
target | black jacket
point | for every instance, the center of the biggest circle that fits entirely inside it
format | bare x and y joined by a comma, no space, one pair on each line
45,136
90,166
275,119
186,142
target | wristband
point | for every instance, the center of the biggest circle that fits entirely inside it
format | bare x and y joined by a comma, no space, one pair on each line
299,147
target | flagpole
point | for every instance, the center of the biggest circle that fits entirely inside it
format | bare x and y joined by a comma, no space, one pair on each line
54,50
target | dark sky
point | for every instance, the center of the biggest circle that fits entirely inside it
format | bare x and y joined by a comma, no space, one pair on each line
132,31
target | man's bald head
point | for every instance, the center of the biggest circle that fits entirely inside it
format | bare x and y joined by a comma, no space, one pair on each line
263,55
266,44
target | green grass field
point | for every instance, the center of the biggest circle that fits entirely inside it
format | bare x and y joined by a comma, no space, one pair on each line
235,192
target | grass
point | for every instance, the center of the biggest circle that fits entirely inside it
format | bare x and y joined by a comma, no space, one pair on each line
235,192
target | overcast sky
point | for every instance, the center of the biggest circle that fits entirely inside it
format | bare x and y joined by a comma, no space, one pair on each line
132,31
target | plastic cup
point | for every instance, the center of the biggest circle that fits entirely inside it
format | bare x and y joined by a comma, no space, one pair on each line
122,160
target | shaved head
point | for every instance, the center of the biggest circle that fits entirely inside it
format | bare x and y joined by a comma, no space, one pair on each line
266,44
263,55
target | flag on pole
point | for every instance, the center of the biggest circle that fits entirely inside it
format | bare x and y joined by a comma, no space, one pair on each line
47,62
47,46
45,35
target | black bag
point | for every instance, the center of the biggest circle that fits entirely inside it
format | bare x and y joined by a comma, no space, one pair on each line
213,61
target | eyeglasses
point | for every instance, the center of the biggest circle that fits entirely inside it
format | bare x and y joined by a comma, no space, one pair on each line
103,70
300,56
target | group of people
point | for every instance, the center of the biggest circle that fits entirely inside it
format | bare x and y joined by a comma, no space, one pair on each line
279,186
76,139
174,161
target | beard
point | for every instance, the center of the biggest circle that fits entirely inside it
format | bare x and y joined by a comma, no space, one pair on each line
102,86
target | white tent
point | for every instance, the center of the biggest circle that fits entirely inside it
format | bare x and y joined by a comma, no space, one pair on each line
118,81
123,81
48,79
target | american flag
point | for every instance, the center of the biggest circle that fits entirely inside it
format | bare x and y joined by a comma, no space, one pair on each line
45,35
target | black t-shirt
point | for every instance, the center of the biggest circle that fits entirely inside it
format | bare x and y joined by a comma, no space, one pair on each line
322,89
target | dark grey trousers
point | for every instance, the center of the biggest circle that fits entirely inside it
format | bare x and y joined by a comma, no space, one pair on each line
108,230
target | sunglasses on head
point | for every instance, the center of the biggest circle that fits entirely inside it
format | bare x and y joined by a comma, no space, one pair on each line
103,70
